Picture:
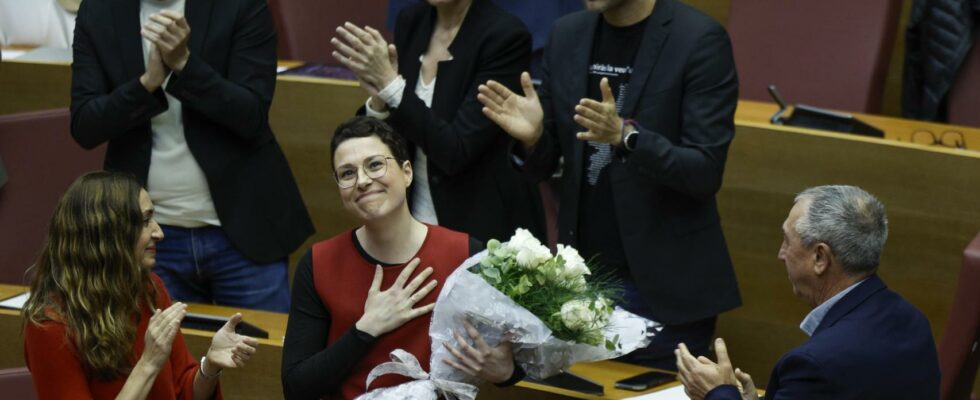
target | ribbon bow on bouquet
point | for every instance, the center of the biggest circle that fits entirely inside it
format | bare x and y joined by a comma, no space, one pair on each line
423,387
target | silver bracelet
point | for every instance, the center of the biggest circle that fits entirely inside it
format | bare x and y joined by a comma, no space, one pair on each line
205,374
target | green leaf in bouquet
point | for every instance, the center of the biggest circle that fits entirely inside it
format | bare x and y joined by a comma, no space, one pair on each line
523,286
613,344
493,245
592,337
491,274
506,266
549,272
475,269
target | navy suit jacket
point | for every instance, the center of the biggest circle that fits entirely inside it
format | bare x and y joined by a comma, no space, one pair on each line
682,93
872,344
225,92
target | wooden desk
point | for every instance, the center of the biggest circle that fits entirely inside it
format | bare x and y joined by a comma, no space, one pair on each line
259,380
33,86
754,113
605,373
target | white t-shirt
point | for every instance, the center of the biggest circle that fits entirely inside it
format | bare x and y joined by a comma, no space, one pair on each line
176,183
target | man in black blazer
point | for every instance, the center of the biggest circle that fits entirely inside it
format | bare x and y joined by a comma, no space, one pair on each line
866,341
639,101
183,103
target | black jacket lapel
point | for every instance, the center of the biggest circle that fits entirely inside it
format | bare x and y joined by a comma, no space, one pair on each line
578,64
654,36
450,74
198,14
126,21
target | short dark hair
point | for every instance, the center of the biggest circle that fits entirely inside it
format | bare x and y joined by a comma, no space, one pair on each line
361,126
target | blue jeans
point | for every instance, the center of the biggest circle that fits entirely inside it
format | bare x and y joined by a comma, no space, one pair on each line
200,265
659,353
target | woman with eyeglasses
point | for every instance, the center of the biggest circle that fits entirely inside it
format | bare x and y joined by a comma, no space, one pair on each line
100,325
371,290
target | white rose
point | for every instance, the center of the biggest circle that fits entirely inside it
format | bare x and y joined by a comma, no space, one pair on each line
533,256
528,250
522,239
574,263
577,315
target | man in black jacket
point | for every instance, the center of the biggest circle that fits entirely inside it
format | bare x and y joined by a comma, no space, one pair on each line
180,90
639,100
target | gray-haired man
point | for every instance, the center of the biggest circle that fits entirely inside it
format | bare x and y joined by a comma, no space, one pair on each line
866,342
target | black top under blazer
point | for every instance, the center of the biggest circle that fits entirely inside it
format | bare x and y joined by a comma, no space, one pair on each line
474,189
225,91
682,93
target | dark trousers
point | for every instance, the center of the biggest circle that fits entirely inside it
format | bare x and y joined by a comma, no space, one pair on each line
200,265
697,335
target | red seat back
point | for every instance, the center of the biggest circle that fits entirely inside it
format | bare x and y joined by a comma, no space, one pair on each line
41,161
964,96
306,26
959,354
827,53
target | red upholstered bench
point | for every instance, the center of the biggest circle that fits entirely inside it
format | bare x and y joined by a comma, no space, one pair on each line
959,351
41,160
15,383
965,93
827,53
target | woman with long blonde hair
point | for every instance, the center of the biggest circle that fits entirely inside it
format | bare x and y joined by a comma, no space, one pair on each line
99,324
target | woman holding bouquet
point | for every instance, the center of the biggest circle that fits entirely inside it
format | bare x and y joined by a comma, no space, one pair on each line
95,329
361,294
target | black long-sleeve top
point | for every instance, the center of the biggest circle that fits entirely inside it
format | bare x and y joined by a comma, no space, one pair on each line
313,368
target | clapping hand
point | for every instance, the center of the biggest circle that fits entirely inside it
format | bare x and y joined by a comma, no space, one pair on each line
169,31
160,333
229,349
701,375
747,386
156,70
520,116
600,118
385,311
368,55
492,364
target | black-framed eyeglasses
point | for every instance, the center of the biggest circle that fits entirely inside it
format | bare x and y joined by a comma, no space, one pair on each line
374,167
954,139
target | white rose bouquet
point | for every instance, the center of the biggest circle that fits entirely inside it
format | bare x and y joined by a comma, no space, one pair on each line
553,288
549,306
